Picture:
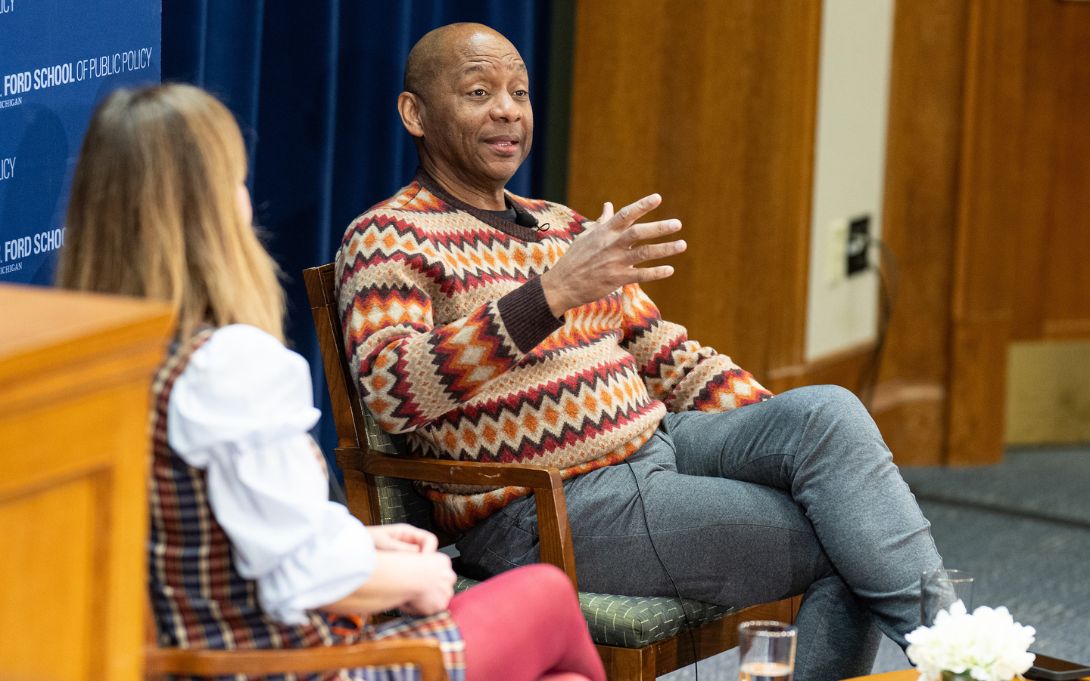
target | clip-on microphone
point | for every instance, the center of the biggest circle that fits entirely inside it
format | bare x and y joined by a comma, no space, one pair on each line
526,219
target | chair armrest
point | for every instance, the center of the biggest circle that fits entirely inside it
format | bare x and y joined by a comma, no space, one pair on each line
424,653
547,487
460,472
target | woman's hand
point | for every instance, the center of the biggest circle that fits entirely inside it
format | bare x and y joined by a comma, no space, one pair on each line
435,585
403,537
418,583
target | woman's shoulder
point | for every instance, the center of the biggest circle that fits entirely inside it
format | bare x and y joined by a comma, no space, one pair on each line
241,383
239,355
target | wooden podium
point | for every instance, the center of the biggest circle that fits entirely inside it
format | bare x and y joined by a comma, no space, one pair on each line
75,375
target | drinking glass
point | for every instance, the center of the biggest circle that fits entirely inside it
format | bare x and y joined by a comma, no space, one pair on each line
766,651
939,589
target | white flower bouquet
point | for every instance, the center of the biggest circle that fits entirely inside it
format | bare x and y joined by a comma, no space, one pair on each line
987,645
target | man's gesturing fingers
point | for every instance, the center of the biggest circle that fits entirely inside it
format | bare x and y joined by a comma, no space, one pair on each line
607,213
633,211
603,259
646,274
648,231
656,251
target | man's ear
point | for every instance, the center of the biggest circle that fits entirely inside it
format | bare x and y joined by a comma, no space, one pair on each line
410,108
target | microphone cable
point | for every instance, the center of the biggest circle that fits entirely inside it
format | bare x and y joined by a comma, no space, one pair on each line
888,285
686,621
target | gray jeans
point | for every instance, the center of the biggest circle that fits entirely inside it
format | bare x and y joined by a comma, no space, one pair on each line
798,494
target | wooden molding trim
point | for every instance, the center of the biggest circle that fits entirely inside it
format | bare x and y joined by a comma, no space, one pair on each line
844,368
1065,329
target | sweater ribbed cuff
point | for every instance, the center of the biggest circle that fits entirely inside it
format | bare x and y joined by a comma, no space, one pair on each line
527,316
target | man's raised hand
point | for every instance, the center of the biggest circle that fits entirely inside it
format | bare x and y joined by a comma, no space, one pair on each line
604,258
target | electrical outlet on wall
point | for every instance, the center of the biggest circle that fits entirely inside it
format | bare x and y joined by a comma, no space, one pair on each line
858,245
837,252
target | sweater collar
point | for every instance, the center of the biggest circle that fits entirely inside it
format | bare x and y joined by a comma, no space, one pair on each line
488,217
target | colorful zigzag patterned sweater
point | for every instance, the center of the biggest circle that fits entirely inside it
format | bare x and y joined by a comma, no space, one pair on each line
452,343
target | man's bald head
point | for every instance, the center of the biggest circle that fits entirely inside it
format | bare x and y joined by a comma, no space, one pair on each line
433,53
467,105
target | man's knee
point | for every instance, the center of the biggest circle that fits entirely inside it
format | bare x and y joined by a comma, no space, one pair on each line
822,401
832,408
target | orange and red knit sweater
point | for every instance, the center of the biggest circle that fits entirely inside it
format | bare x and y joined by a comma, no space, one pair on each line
451,342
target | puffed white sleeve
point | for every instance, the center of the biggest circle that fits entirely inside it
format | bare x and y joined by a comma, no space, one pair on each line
241,411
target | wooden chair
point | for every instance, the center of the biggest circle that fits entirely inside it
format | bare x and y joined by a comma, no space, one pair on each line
637,638
161,662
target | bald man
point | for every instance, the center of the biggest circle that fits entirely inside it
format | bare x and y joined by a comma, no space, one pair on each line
484,326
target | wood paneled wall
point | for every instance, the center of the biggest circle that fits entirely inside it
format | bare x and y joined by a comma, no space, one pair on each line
1022,248
988,203
987,191
920,214
711,104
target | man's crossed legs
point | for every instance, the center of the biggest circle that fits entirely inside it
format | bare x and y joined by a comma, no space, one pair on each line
794,495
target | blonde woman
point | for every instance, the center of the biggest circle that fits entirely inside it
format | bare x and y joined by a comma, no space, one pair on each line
245,549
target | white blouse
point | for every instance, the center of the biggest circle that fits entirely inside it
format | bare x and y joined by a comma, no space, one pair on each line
241,410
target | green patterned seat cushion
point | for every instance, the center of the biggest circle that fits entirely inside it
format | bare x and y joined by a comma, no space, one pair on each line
632,621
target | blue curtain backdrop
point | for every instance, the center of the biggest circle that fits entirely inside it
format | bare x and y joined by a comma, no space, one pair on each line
314,86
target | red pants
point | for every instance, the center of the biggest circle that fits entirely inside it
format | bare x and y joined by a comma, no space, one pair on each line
525,625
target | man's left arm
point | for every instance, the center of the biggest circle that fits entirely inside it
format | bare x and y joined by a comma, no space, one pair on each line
682,373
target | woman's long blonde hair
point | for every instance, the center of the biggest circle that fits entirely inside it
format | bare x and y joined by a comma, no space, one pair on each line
154,212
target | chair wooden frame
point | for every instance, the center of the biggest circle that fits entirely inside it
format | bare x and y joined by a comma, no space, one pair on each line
360,465
160,662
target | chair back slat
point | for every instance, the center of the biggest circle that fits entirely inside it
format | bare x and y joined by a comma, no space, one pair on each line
378,500
322,295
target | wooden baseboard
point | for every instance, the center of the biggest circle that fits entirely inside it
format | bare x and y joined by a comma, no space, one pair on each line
978,382
912,418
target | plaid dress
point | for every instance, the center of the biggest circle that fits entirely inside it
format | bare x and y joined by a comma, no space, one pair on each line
198,597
